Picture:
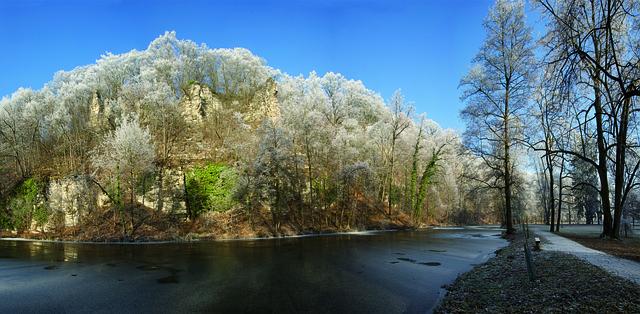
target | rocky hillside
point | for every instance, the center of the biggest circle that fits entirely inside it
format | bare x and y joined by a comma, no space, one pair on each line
166,139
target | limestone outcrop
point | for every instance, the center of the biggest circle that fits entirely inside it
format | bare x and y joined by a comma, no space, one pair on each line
70,199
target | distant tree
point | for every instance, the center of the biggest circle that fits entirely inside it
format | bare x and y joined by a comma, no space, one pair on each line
585,191
355,184
27,207
426,178
210,188
299,99
20,127
413,180
549,132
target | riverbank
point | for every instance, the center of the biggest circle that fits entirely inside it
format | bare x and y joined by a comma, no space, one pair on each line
563,283
224,226
297,236
620,267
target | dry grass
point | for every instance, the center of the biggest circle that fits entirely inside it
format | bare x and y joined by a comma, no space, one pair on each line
625,248
105,225
589,236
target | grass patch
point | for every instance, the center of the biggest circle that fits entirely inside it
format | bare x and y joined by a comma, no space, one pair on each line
563,283
589,236
628,248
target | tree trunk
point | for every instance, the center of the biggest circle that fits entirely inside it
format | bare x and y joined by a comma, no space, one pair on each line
160,187
392,161
600,139
621,149
552,200
507,166
186,196
310,170
560,187
602,163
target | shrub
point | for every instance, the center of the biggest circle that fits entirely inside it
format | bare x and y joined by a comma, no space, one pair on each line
210,188
5,216
27,205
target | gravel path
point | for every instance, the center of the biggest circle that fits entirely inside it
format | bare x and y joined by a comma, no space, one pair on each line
617,266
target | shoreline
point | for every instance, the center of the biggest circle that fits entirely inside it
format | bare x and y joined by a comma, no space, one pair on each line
501,284
444,290
205,239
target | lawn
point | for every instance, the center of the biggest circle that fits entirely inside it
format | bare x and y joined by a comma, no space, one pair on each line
589,236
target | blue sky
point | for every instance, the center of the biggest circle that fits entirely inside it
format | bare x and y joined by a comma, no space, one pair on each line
423,47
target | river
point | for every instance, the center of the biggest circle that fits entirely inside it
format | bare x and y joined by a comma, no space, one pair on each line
368,272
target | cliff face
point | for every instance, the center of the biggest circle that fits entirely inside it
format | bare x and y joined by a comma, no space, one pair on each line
264,104
69,199
205,113
200,103
167,194
72,198
214,119
101,114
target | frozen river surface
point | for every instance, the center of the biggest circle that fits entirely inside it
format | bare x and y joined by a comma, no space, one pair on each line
369,272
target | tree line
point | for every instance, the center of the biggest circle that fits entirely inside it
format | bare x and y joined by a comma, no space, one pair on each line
567,100
316,150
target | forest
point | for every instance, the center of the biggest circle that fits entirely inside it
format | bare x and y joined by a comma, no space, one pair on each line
568,99
181,140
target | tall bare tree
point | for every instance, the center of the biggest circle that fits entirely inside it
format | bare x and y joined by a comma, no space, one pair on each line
400,121
595,46
496,91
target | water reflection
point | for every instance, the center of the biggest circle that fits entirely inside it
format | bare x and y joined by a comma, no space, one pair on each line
70,253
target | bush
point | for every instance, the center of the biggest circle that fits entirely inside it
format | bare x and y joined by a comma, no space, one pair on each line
27,205
5,216
210,188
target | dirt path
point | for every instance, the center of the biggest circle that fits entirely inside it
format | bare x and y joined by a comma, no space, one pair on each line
615,265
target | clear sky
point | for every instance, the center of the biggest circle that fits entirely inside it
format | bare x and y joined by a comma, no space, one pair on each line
423,46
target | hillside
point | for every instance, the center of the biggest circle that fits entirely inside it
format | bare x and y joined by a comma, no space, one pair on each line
182,141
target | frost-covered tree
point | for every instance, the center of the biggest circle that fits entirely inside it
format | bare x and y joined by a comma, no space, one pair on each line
276,173
496,91
299,102
330,120
400,121
176,105
355,185
236,72
125,155
21,128
594,44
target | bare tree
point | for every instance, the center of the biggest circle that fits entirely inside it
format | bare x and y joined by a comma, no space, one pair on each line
400,121
593,44
496,92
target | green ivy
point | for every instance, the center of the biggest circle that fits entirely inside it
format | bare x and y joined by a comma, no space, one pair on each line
26,205
210,188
